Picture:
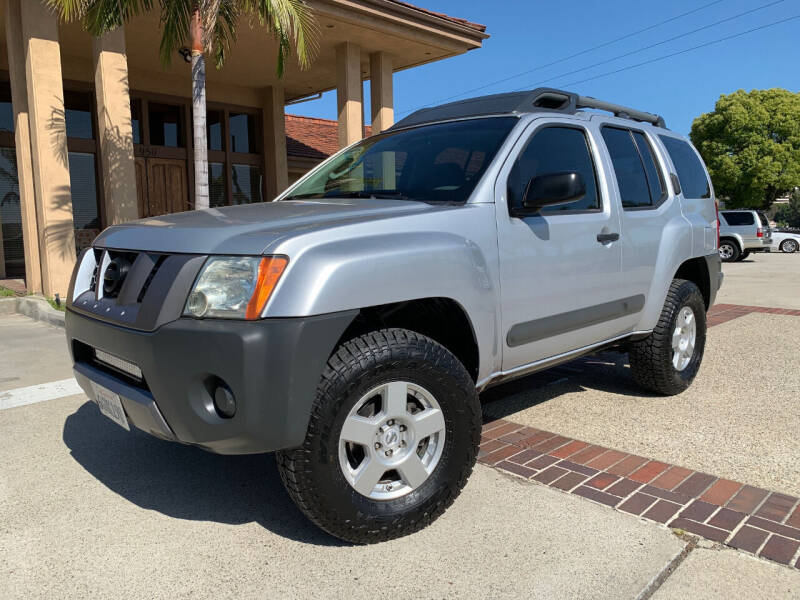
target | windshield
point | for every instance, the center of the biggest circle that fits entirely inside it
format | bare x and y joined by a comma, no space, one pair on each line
433,163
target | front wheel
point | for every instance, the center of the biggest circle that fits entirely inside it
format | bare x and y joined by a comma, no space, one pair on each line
667,360
392,438
790,246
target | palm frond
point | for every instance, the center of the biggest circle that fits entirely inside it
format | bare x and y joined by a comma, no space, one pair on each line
99,16
176,16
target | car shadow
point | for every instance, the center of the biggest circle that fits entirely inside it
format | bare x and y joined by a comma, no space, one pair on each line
607,371
186,482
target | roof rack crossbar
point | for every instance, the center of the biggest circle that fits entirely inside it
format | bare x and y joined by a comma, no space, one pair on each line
621,111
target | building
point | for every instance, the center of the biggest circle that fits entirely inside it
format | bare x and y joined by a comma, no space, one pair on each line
95,132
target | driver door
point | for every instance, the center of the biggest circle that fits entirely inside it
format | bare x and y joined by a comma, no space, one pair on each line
560,269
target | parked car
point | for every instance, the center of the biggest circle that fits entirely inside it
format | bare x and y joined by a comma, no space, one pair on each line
350,325
785,241
742,232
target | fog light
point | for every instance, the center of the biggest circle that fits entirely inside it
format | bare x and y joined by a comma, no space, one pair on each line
224,402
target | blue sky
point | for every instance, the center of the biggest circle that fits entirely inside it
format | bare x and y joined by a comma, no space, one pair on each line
528,34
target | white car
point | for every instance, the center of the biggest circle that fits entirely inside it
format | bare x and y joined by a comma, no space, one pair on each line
785,241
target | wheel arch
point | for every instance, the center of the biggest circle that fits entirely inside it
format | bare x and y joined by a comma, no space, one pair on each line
696,271
733,238
442,319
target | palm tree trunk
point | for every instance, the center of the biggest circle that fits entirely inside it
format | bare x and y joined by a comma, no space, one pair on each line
199,114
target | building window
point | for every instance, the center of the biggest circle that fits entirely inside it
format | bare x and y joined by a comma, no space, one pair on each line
78,111
86,216
246,182
6,112
235,169
217,186
166,125
214,129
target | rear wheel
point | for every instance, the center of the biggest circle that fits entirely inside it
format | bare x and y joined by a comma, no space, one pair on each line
392,439
728,251
667,360
790,246
743,255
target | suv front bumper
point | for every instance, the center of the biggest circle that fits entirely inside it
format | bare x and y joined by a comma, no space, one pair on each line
272,366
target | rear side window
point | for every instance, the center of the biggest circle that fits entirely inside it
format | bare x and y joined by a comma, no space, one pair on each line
691,172
737,219
555,150
638,178
763,218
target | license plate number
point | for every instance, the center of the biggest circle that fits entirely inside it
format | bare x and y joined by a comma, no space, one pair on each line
110,405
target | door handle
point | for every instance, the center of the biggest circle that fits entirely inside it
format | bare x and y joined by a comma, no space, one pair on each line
605,238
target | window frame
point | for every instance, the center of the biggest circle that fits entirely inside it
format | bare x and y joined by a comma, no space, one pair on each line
591,148
656,204
89,146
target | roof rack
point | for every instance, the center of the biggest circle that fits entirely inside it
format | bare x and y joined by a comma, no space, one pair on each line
538,100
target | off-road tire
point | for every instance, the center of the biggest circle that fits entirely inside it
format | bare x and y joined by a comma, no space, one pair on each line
789,246
651,357
312,473
734,251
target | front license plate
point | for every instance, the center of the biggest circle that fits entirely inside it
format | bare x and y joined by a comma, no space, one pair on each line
110,405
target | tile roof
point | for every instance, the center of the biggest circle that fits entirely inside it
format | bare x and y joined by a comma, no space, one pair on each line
471,25
310,137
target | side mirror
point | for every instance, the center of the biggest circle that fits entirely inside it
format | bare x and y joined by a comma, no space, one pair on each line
551,189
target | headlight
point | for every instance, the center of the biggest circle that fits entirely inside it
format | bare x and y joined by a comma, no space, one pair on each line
234,287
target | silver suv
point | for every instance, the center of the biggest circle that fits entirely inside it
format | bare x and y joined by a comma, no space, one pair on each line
742,232
351,324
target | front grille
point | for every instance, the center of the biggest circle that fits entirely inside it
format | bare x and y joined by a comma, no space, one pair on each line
159,261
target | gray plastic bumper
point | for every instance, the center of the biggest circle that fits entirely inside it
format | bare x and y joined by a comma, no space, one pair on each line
272,367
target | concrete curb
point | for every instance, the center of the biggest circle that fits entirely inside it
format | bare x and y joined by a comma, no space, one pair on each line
34,307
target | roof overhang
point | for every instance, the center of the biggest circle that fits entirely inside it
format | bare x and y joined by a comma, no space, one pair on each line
411,35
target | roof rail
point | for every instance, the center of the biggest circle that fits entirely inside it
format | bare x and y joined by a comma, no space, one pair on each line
538,100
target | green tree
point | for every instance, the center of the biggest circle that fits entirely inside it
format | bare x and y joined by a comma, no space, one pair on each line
208,27
751,145
789,214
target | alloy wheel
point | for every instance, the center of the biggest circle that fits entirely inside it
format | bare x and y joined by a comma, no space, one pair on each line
392,440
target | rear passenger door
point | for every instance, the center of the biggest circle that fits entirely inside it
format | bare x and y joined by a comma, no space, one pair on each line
647,208
559,283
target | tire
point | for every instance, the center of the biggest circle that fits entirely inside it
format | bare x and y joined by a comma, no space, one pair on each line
728,251
316,474
789,246
743,255
652,359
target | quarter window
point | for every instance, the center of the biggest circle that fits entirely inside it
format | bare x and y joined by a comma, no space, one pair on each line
555,150
691,172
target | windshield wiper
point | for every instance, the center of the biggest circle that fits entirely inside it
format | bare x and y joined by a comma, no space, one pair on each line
376,194
303,196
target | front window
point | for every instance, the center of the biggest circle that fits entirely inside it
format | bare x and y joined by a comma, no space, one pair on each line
433,163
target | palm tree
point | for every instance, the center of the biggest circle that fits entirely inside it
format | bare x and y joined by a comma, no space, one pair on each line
209,28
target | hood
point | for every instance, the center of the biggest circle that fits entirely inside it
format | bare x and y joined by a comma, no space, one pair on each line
250,228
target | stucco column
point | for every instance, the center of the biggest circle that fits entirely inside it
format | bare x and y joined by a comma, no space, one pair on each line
381,91
349,93
22,135
48,145
114,127
276,167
